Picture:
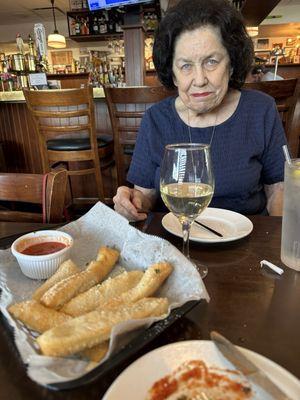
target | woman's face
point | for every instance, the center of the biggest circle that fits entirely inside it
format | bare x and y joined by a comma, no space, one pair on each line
201,68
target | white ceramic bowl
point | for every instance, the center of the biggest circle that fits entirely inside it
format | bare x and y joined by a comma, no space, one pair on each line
41,266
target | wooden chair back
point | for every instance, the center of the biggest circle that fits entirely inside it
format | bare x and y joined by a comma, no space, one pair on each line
47,190
285,94
126,108
66,114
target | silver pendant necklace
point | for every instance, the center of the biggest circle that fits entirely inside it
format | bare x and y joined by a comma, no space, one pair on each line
212,134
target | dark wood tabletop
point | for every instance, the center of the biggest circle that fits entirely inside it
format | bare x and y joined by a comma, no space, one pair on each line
252,307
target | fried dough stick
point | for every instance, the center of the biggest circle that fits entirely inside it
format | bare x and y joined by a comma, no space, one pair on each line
40,318
95,327
95,353
65,290
36,316
65,270
152,279
96,295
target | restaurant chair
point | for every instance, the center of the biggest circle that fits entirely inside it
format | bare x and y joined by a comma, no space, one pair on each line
64,122
126,108
27,191
286,93
2,158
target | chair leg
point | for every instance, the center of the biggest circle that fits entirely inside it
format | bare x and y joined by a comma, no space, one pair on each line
69,193
98,178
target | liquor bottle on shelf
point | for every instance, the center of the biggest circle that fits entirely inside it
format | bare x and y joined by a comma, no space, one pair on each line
77,26
85,5
154,21
110,22
101,76
118,22
95,26
75,5
102,24
20,43
105,74
111,25
111,76
84,28
30,57
31,46
72,25
146,20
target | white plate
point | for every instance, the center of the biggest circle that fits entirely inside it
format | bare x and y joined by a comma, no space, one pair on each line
230,224
135,381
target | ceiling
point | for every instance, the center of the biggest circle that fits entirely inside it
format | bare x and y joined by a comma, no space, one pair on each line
22,12
283,20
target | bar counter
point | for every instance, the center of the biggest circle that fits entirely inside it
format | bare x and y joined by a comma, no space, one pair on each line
20,146
291,70
17,95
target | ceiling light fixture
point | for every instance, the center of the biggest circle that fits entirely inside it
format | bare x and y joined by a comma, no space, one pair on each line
252,31
56,40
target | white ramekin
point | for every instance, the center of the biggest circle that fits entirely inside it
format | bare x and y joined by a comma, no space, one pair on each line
41,267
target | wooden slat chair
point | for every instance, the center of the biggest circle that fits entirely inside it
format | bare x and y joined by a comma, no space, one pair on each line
65,124
47,190
126,108
286,94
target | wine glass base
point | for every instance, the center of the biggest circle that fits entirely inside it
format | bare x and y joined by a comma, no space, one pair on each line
202,269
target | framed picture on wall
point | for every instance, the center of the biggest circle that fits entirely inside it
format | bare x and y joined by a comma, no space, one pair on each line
290,42
64,57
263,44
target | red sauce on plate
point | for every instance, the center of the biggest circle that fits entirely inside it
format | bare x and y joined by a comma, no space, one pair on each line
193,379
41,249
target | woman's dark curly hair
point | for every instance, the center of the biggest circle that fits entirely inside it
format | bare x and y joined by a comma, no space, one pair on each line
188,15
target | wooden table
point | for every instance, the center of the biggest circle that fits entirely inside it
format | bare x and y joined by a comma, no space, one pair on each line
252,307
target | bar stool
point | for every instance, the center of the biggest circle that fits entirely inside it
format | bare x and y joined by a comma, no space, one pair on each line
65,124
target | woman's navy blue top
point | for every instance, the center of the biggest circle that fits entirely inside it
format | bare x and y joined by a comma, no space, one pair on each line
246,150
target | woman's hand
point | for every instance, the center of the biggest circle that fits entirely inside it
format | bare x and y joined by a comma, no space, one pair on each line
129,201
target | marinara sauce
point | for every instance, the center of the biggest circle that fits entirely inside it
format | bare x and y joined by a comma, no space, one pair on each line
41,249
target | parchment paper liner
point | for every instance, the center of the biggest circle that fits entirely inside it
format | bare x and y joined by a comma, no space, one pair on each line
100,226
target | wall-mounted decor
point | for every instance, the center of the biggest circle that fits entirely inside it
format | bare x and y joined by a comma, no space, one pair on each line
263,44
64,57
290,42
277,45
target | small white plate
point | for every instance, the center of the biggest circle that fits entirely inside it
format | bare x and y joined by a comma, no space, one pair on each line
135,381
230,224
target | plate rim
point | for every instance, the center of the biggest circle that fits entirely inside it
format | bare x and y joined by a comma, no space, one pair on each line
213,240
254,357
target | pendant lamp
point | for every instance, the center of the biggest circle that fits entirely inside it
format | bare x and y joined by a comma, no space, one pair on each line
252,31
56,40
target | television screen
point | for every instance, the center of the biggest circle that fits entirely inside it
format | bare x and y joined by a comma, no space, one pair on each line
100,4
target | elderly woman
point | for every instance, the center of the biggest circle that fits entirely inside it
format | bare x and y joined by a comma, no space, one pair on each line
202,49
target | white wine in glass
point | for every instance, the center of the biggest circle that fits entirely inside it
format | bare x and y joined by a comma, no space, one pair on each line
187,186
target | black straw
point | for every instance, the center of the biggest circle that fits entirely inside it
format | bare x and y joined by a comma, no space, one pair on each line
208,228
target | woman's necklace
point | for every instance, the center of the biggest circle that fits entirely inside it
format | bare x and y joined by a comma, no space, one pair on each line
213,129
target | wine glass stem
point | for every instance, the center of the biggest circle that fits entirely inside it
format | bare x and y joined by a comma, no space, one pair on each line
186,227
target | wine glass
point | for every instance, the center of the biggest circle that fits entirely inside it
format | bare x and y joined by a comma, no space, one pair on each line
187,186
